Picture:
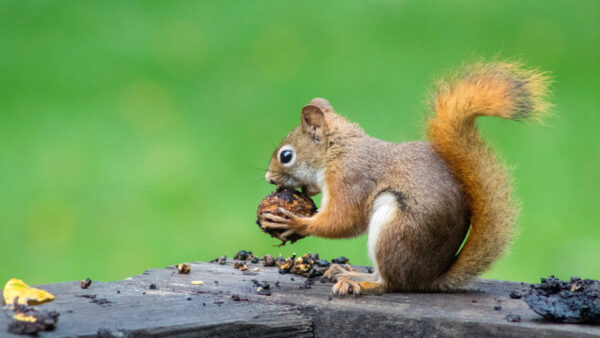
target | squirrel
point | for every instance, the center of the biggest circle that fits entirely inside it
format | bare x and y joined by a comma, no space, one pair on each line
416,200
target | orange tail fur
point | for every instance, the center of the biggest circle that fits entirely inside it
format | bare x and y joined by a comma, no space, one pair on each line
500,89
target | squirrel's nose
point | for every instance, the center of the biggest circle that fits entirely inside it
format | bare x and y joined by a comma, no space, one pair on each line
268,178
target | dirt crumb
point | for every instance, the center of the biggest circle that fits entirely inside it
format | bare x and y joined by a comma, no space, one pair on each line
268,260
240,266
340,260
220,260
514,318
183,268
243,255
95,300
515,294
86,283
237,298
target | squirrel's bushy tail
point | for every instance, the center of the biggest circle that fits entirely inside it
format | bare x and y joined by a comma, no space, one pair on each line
498,89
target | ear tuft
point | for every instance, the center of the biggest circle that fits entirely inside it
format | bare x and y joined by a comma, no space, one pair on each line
313,122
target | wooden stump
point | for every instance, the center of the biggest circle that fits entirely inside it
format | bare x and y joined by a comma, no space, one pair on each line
227,304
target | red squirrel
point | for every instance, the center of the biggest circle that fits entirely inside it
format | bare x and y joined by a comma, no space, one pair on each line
416,200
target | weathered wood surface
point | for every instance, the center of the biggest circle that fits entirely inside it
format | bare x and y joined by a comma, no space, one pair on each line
179,309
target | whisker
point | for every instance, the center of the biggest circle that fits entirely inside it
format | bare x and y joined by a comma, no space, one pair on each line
259,169
270,139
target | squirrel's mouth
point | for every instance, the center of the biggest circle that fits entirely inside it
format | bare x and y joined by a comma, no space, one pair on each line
288,181
282,180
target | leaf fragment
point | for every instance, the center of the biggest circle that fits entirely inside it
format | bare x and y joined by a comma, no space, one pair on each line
16,290
25,318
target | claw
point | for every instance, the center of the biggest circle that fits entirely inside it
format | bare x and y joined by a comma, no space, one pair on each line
287,213
276,219
272,225
286,234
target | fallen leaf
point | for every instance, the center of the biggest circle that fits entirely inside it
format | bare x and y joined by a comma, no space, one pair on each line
16,289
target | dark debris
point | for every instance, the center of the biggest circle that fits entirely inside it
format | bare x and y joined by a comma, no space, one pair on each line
340,260
243,255
574,301
515,294
220,260
44,321
262,288
237,298
100,301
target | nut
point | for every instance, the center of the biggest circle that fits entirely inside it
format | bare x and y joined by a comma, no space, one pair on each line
289,199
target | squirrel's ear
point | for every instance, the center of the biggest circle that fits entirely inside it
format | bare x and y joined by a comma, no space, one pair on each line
313,122
322,103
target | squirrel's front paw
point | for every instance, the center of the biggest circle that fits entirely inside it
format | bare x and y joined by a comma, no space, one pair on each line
345,286
290,222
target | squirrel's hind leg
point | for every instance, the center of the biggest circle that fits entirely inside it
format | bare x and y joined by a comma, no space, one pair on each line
397,247
411,249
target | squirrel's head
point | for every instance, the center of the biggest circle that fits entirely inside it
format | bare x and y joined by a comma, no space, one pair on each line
299,160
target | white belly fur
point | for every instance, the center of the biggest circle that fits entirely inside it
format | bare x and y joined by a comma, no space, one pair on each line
384,209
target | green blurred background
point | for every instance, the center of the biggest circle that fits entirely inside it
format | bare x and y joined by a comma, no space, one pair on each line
135,134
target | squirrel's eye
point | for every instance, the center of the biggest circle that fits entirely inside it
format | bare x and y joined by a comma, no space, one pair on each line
286,156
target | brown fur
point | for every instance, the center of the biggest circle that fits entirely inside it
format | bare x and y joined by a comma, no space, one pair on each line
438,188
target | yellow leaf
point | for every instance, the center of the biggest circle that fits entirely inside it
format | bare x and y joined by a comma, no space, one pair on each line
25,318
17,289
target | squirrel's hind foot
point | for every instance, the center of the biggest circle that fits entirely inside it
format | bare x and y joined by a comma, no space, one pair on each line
346,286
